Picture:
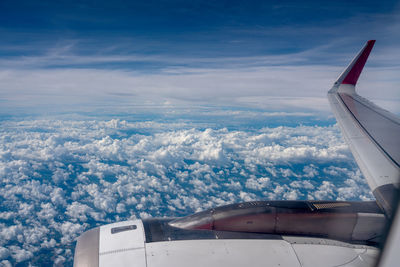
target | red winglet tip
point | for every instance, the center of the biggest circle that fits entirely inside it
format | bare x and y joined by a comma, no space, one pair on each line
355,72
371,43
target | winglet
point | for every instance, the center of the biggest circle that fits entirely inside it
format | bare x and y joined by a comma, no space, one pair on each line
352,72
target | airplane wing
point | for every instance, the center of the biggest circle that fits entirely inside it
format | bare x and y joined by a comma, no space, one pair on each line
372,133
274,233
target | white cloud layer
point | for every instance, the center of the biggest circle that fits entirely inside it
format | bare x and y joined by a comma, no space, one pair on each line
59,178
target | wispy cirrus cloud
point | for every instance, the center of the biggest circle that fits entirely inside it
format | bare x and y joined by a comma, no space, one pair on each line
279,88
273,67
297,80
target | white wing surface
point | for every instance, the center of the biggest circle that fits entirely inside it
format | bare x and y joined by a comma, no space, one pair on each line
372,133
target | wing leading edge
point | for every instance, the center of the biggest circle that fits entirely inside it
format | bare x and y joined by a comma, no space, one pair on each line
371,132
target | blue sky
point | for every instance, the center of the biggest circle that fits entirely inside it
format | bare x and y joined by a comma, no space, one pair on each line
272,55
198,28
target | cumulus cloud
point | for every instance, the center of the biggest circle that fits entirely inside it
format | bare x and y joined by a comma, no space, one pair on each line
62,177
